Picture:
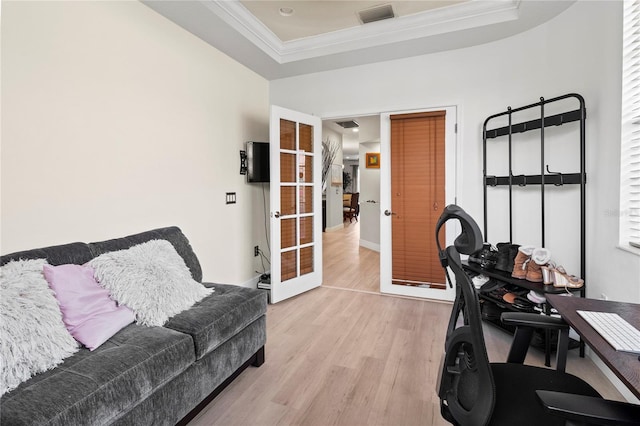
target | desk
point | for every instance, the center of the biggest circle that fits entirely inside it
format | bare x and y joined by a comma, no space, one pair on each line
625,365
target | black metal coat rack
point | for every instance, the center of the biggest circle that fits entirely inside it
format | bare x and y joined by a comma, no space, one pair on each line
546,177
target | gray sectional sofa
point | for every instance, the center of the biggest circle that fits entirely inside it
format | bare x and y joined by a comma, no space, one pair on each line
145,375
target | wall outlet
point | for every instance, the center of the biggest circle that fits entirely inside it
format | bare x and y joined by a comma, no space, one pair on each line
256,251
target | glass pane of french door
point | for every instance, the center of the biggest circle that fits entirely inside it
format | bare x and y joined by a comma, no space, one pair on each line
296,199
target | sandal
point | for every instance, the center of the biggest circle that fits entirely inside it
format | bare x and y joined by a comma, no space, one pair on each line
547,273
562,279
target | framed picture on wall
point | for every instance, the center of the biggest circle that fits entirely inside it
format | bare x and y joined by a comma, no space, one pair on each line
373,160
336,175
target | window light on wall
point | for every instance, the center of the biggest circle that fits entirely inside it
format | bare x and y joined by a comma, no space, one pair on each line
630,149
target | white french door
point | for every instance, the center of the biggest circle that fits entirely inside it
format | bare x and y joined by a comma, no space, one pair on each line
296,202
387,213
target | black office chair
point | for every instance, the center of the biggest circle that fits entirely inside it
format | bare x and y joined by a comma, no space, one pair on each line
473,391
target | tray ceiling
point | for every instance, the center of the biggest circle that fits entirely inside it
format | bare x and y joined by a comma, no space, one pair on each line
320,35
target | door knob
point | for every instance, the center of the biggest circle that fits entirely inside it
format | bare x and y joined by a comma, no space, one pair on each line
389,213
276,214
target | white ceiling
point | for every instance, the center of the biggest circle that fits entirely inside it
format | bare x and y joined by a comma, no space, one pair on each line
369,131
322,35
314,18
326,34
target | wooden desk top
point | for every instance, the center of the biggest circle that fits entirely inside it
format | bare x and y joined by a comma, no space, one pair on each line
625,365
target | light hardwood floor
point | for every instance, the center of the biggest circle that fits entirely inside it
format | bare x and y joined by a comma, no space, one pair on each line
346,264
352,357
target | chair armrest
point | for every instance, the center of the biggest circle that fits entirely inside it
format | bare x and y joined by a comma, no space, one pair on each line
588,409
525,324
525,319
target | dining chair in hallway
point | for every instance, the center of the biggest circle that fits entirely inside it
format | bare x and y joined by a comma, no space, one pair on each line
353,209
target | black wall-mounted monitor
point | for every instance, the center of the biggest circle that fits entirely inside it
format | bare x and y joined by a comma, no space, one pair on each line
257,162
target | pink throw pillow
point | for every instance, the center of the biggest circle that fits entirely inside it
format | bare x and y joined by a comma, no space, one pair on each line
88,312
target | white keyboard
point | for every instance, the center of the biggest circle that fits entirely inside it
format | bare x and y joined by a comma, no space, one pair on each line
614,329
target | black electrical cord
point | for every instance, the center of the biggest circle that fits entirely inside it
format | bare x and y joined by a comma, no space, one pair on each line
264,271
263,256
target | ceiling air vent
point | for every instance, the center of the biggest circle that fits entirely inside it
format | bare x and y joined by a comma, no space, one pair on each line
349,124
377,13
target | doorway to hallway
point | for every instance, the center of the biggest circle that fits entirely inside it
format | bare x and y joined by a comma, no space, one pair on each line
348,272
348,265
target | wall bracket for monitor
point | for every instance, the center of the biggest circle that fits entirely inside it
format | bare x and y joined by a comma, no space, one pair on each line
243,162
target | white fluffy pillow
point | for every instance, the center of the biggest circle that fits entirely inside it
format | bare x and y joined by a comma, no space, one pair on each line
33,337
150,278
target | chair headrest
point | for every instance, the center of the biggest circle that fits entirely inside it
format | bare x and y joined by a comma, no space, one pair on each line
470,239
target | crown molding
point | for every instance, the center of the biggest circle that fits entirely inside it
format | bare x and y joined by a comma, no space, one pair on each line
481,21
239,18
462,16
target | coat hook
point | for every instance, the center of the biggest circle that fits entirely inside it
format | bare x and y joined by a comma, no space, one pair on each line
524,180
561,178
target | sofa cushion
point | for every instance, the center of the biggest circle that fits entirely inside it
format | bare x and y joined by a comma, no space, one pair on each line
172,234
218,317
198,381
97,387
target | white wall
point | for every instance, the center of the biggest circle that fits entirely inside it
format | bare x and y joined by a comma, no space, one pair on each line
333,194
573,52
117,121
348,167
369,190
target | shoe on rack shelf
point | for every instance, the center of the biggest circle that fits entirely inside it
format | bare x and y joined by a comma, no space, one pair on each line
547,273
507,253
520,263
534,272
536,297
539,257
562,279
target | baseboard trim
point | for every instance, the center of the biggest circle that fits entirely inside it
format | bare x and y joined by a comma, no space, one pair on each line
370,245
252,283
335,228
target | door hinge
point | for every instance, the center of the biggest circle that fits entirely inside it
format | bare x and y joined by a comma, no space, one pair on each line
456,128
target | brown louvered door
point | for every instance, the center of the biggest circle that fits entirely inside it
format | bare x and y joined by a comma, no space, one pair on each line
417,197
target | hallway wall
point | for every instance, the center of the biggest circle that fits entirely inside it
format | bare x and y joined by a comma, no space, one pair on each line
369,190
